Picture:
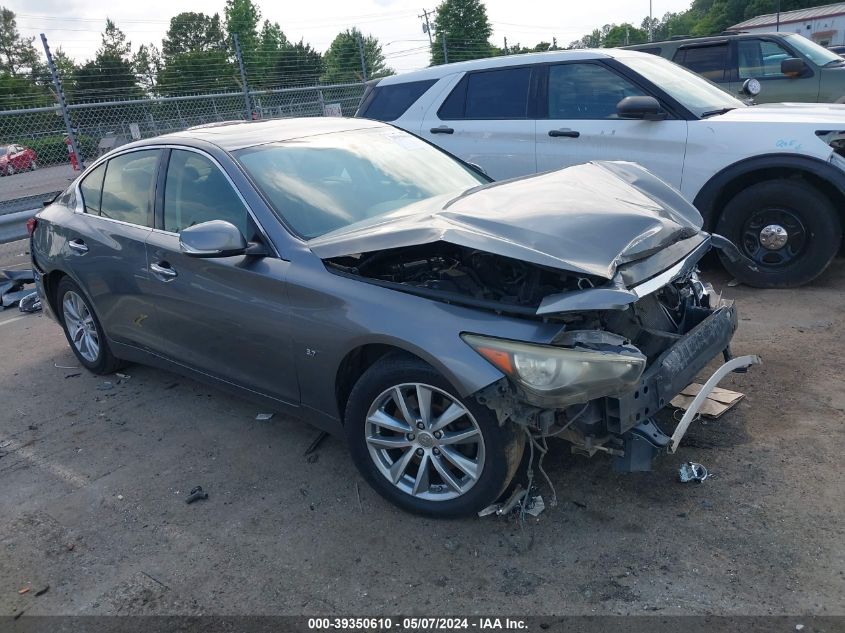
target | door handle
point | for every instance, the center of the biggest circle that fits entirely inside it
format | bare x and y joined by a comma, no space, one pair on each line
565,132
78,246
163,271
442,130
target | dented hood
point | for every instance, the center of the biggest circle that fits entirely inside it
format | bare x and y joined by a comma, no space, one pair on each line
586,219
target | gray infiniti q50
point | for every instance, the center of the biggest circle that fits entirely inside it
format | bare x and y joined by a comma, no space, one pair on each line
353,275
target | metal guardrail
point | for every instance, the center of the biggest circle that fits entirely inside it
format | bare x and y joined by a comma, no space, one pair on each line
13,225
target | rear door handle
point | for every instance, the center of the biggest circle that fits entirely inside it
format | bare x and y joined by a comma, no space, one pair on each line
565,132
442,130
163,271
78,245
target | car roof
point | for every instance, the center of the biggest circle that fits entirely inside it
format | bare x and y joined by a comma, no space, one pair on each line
436,72
234,135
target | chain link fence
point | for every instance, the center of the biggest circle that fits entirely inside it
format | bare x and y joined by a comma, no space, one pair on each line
36,161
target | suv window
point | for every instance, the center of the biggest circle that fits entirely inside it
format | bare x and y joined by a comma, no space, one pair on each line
760,58
129,187
388,103
708,61
91,188
586,91
196,191
492,94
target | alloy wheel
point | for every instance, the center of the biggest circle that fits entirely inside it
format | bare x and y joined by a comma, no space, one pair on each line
424,441
80,326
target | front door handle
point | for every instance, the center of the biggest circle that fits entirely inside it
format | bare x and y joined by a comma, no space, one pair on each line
78,246
163,271
443,129
565,132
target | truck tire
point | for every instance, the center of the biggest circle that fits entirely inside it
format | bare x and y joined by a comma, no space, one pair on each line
788,228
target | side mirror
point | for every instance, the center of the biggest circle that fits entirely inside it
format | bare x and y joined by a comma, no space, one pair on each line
216,238
644,108
793,67
751,87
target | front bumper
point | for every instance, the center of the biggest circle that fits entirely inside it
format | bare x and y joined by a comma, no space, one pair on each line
673,370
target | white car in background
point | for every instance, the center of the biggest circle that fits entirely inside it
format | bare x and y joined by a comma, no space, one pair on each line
771,178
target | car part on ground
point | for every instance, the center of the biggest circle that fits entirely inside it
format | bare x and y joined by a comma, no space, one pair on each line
13,287
376,286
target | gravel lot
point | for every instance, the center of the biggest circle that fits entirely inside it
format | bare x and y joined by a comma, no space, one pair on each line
94,481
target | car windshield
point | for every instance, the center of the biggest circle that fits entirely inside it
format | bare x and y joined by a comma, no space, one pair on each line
819,55
322,183
692,91
4,149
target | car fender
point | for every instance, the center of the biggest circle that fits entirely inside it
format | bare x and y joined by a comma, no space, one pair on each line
709,198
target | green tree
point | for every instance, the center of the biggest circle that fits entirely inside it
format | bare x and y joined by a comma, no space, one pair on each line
343,58
110,75
17,53
242,18
147,65
466,28
191,32
195,56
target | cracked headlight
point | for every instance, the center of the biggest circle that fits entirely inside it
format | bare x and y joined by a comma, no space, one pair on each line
570,373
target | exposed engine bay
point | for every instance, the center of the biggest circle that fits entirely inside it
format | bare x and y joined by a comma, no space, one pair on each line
456,271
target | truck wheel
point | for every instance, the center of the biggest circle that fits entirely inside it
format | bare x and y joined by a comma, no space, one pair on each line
423,447
788,228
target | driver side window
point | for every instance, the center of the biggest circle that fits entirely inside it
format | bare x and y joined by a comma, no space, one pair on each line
196,191
760,58
587,91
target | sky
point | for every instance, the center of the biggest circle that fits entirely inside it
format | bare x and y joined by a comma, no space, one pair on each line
75,25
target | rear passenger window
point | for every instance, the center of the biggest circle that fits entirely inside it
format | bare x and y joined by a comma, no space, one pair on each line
493,94
708,61
587,91
91,188
129,187
390,102
196,191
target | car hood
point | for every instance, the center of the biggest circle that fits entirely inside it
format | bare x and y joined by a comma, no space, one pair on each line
825,113
586,219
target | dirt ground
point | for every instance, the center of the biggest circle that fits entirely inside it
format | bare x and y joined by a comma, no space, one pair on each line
94,480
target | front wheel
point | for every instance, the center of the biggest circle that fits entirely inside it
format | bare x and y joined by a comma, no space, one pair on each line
423,447
33,166
788,228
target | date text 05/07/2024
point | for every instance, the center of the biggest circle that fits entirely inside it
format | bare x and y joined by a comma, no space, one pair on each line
416,624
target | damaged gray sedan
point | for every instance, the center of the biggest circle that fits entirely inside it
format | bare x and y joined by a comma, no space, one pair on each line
351,274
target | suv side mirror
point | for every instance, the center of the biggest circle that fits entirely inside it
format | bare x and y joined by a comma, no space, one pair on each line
793,67
216,238
644,108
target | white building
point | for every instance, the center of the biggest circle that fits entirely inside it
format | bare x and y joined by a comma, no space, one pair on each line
824,25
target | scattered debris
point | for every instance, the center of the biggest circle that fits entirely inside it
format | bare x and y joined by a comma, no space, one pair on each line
155,580
18,614
358,494
24,590
733,283
123,376
692,471
12,284
583,506
57,366
196,494
535,505
263,417
30,303
42,591
105,385
32,427
313,446
717,402
77,375
120,497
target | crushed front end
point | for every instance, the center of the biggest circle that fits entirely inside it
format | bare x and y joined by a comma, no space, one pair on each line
611,369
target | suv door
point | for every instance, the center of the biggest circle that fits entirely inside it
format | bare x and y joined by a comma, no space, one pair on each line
580,123
227,316
104,247
760,58
485,120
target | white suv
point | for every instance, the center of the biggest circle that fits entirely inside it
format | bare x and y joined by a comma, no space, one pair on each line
771,178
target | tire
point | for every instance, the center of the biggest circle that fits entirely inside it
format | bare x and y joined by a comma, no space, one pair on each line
10,170
33,166
495,450
71,303
811,229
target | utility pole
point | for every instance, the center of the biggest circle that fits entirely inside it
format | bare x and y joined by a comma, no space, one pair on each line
60,97
247,105
554,43
777,27
650,23
445,52
426,26
363,63
506,47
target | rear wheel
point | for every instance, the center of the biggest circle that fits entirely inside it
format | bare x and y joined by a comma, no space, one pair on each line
83,330
33,166
788,228
422,446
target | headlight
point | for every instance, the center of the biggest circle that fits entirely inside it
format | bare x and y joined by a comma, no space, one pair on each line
569,374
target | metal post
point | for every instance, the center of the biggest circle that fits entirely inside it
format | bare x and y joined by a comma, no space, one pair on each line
445,53
60,96
321,102
650,23
506,46
427,27
777,26
363,63
247,106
